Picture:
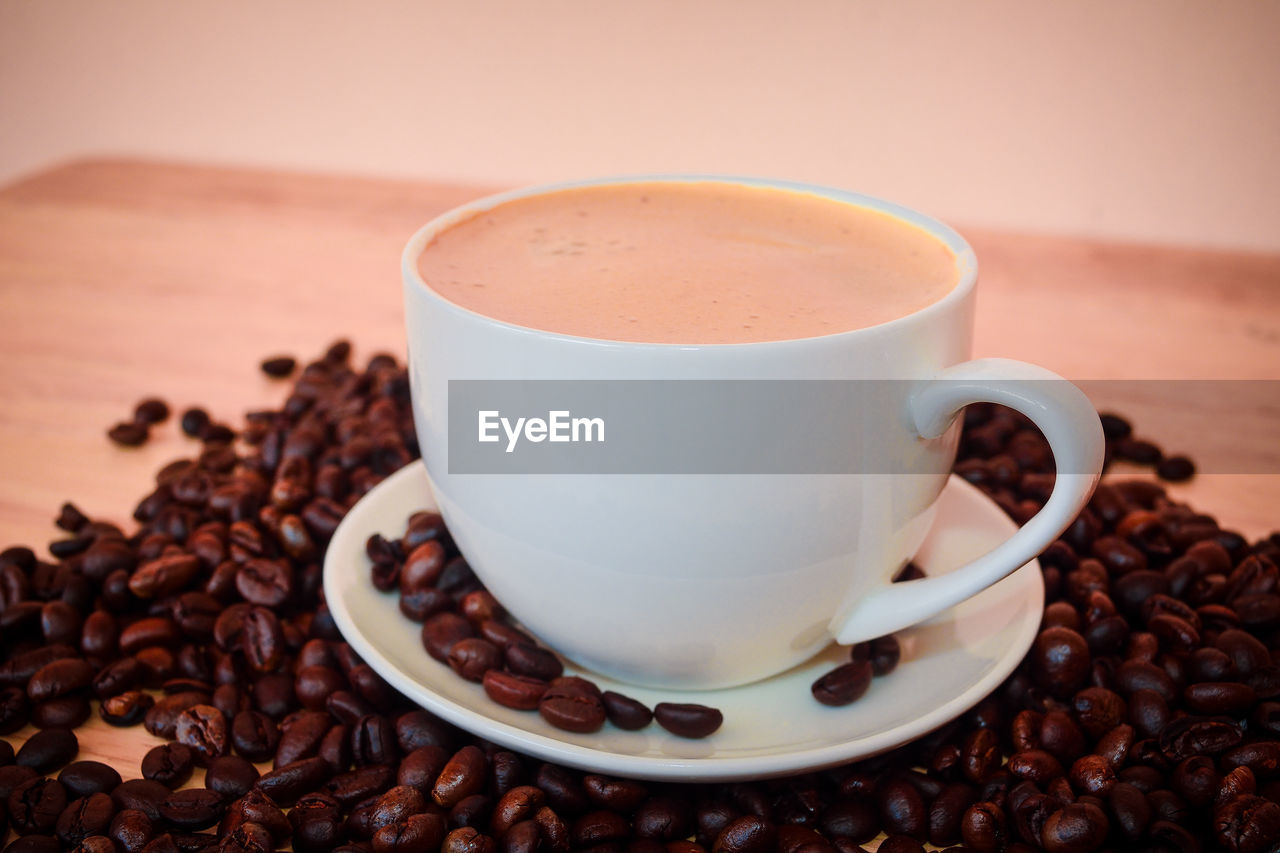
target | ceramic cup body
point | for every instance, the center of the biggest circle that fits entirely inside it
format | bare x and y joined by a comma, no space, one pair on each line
710,580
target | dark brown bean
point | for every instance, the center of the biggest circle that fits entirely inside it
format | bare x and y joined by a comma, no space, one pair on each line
462,776
572,709
625,712
204,729
48,749
193,808
689,720
1076,828
983,827
285,784
748,834
844,684
1060,660
82,778
231,776
170,764
520,692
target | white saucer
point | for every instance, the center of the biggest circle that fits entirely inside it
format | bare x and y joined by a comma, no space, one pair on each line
771,728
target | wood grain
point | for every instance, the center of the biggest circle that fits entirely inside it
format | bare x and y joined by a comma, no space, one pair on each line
123,279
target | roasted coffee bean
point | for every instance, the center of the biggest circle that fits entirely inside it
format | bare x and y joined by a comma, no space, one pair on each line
472,657
416,832
150,631
193,808
144,795
688,720
885,654
278,367
360,784
164,576
844,684
421,766
463,775
980,755
625,712
1099,710
117,677
66,712
170,764
231,776
371,687
748,834
128,433
1035,765
983,827
314,684
268,583
1060,660
1247,823
82,778
273,695
162,719
84,817
1219,697
317,823
395,805
902,808
1077,827
285,784
945,813
126,709
520,692
663,818
18,670
34,805
14,710
531,660
95,844
1114,746
373,740
1190,735
59,678
416,729
48,750
13,775
619,795
1059,735
1093,774
301,736
1261,757
599,827
130,829
262,640
254,735
441,631
572,709
60,622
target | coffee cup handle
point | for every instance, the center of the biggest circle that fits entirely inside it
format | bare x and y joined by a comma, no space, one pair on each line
1069,423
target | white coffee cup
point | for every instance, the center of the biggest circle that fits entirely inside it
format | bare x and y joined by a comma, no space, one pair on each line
711,580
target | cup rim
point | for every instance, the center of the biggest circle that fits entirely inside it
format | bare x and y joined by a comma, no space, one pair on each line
966,259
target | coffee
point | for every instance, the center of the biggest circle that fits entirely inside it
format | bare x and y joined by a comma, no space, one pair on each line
698,262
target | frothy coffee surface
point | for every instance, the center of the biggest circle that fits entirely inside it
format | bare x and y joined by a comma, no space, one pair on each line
687,263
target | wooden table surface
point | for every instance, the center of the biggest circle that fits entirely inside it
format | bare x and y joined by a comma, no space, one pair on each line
123,279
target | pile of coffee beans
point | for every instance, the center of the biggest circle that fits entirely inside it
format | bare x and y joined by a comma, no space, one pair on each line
1123,444
464,626
1145,717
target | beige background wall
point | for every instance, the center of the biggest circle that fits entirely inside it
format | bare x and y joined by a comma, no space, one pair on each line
1155,120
